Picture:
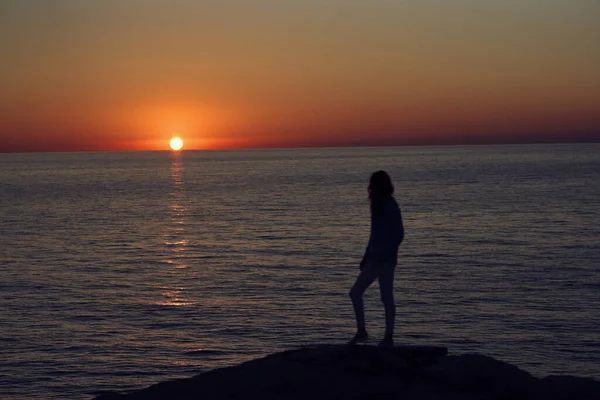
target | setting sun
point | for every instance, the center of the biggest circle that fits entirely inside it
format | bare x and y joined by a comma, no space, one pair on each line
176,143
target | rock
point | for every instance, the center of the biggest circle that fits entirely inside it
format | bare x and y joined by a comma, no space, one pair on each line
478,373
366,372
568,388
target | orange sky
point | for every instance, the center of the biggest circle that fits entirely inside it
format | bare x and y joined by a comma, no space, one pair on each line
128,74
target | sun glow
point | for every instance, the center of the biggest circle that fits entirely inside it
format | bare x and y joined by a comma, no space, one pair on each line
176,143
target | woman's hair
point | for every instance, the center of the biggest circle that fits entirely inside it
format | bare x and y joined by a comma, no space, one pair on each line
380,186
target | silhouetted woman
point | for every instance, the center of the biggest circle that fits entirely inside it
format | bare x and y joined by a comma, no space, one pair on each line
381,256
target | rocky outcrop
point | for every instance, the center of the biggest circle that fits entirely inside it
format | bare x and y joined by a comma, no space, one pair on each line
366,372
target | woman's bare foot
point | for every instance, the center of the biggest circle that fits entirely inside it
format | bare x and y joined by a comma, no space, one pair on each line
361,336
388,341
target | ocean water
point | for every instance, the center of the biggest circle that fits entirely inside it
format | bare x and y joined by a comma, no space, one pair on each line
120,270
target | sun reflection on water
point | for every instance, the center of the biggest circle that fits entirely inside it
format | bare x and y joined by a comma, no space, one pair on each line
175,240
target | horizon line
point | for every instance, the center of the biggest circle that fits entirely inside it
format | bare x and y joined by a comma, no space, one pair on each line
326,146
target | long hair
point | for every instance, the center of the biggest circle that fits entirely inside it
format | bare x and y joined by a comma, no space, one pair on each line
380,189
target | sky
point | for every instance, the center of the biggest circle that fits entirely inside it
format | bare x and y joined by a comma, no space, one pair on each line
88,75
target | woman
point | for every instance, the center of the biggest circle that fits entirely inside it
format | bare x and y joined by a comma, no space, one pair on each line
381,256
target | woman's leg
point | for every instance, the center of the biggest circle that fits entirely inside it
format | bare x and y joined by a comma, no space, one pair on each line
363,281
386,288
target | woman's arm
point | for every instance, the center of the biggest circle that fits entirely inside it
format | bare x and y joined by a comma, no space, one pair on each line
387,232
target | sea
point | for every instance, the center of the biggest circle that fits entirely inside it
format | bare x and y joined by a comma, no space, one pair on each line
121,270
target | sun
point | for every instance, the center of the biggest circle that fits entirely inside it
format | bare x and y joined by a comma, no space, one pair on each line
176,143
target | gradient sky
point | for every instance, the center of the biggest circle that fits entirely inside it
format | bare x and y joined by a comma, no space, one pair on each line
128,74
